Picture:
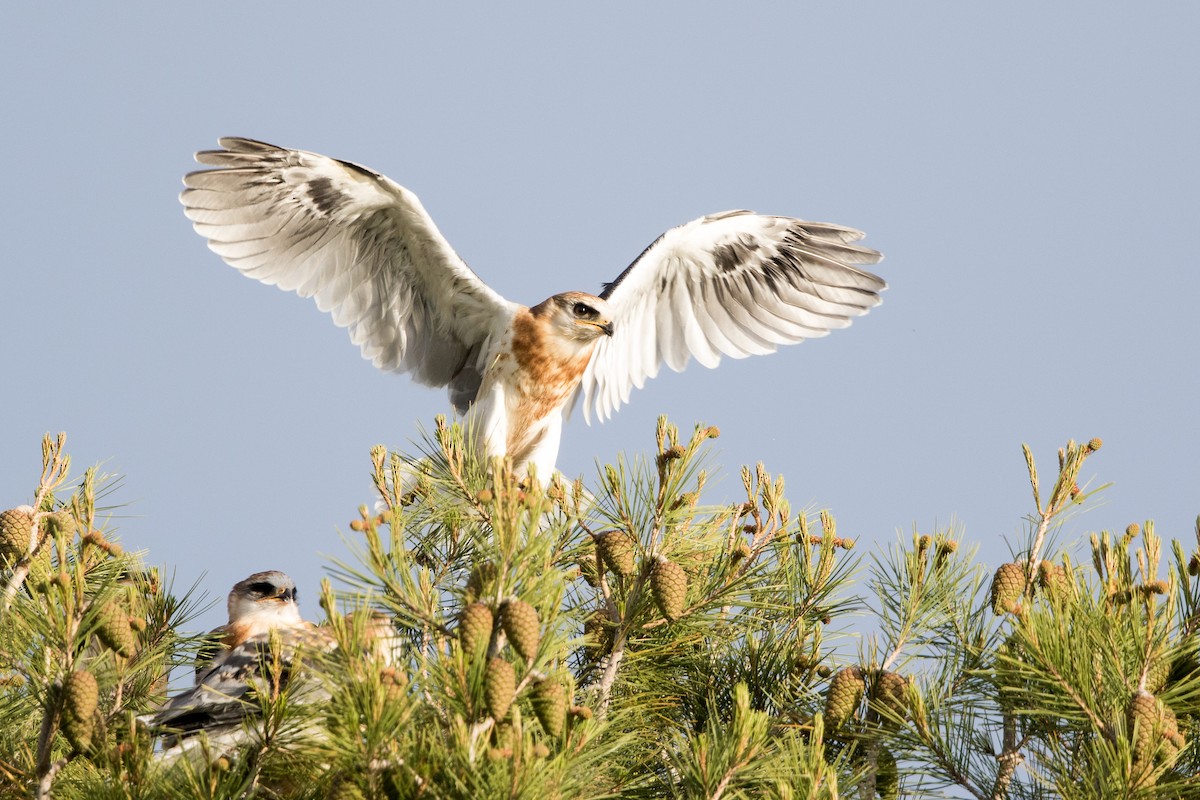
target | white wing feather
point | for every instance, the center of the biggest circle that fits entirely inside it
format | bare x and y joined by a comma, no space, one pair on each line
358,243
732,284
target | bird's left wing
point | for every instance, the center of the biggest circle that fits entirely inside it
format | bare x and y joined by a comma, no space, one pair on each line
733,284
220,696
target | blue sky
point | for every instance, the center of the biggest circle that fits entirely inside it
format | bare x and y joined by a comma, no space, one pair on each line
1029,170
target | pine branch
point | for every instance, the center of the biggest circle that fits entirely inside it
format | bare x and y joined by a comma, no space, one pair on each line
55,467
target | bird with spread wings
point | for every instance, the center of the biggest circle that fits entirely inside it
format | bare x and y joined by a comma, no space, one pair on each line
730,284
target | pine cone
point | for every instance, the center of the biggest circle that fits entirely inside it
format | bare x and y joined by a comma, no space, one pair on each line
480,580
589,570
1053,578
890,693
60,522
616,550
520,622
499,684
1157,672
16,526
550,706
597,636
1152,728
80,694
1008,584
1172,740
475,627
845,692
1142,716
503,736
113,629
668,583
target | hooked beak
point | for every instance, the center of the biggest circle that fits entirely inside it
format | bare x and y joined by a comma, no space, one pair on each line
605,327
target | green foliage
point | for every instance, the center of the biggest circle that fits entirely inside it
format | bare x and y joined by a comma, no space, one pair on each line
500,637
88,636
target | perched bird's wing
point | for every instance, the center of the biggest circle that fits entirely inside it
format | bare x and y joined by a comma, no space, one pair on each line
211,646
358,243
733,284
221,695
218,696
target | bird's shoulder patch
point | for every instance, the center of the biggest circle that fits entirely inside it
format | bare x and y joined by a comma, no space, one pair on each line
236,633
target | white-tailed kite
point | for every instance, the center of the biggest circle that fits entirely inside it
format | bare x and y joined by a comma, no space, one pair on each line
731,284
261,608
265,647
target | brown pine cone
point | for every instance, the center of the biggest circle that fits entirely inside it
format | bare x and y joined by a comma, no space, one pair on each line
550,706
1008,584
475,627
58,522
499,685
845,692
589,570
668,584
890,693
1157,672
597,634
520,623
480,580
1053,578
616,550
16,527
80,694
1153,729
113,629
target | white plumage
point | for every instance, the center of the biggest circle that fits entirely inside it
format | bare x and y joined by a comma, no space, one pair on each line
731,284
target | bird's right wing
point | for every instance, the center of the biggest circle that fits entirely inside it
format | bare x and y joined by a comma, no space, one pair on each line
358,243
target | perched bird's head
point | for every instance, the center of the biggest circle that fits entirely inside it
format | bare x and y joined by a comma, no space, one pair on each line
578,315
263,601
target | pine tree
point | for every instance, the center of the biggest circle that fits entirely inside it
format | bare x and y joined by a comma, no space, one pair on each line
501,638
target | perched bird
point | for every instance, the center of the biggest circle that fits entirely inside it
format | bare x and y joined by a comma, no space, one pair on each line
261,608
266,647
256,606
730,284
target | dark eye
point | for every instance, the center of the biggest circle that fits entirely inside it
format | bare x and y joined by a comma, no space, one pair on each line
262,589
583,310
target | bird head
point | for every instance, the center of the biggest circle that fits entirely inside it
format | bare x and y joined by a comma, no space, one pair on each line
264,601
580,316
